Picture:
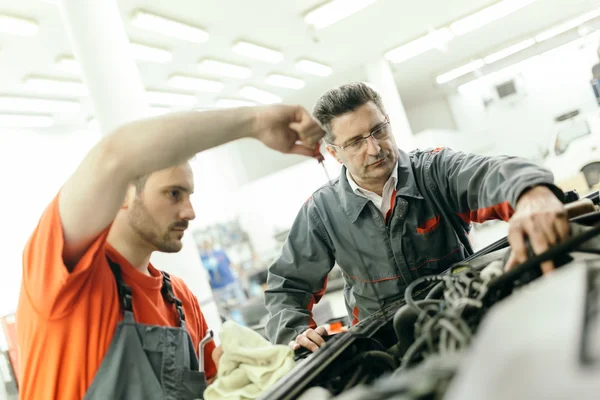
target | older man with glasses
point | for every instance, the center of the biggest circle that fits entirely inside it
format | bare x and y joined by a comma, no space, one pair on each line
391,217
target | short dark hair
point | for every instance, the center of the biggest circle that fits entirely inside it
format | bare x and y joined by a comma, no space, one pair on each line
140,182
342,100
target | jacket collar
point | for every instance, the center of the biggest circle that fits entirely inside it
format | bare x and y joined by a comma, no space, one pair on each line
406,186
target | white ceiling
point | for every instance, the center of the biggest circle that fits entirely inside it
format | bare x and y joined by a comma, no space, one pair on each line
346,46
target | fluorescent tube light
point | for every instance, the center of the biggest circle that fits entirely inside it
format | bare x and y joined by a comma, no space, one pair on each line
258,95
257,52
68,64
567,26
284,81
499,55
196,84
155,110
151,54
170,99
140,52
26,121
334,11
206,108
30,104
313,68
419,46
232,103
224,69
500,75
17,26
56,86
167,27
460,71
94,125
488,15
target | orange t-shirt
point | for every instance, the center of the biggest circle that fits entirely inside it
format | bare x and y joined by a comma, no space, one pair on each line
66,321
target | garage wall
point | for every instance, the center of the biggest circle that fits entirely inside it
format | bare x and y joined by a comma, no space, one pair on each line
523,124
435,114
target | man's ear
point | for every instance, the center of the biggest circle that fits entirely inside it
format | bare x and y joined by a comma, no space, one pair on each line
331,150
129,195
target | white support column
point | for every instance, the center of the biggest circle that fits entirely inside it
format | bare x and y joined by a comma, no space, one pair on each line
100,44
101,47
380,75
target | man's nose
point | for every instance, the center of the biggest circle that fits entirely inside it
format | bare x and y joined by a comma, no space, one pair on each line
187,212
373,147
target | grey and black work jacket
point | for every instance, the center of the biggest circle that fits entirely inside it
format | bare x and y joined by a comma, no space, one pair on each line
438,194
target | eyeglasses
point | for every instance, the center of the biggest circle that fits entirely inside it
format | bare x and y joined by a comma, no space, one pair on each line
379,133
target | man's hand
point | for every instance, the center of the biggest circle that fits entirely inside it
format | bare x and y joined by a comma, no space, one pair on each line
540,217
311,339
288,129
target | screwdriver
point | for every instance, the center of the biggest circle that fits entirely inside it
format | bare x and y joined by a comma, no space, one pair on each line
321,159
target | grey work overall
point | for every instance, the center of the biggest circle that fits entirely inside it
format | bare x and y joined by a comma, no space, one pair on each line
147,361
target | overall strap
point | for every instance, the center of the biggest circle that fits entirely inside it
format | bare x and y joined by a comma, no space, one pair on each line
169,296
123,289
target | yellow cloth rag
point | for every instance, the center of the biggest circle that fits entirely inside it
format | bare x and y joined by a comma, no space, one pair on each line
249,365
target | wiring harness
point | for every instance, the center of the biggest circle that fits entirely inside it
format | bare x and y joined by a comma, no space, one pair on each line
443,322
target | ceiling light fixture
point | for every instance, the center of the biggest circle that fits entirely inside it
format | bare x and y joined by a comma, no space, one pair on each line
195,84
488,15
143,52
205,108
498,76
224,69
257,52
460,71
140,52
513,69
567,26
509,51
155,110
31,104
168,27
334,11
170,99
26,121
55,86
284,81
419,46
313,68
68,64
94,125
232,103
18,26
258,95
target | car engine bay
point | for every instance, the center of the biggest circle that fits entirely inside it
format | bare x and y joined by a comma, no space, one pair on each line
473,332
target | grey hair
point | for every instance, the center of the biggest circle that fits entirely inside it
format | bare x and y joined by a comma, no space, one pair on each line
342,100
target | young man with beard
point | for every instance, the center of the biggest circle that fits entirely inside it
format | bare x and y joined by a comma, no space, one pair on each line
392,216
95,319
